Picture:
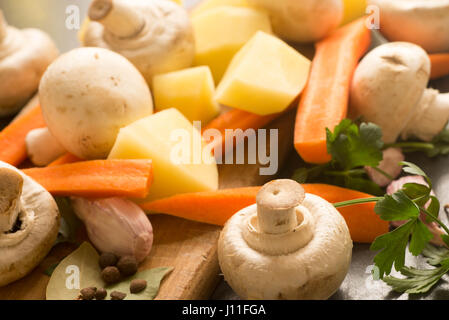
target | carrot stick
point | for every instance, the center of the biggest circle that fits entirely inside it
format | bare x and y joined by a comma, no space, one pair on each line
65,159
324,102
99,178
213,207
236,119
216,207
440,65
12,138
363,223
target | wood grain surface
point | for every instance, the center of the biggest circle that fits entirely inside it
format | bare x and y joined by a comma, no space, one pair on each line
189,247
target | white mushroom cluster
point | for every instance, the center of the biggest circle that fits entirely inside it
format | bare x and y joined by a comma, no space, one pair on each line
290,245
29,223
156,36
24,56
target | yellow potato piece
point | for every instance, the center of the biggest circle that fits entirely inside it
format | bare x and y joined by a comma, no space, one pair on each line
157,137
222,31
211,4
191,91
264,77
354,9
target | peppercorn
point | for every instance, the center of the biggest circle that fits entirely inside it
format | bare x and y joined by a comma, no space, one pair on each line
101,294
127,266
137,285
107,259
110,275
117,295
88,293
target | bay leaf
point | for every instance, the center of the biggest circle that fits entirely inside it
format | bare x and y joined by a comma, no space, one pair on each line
78,270
85,260
153,278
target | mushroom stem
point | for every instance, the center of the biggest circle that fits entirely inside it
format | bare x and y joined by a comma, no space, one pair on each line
117,17
276,206
431,115
3,26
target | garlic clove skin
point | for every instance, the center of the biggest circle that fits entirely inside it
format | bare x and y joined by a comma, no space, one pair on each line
116,225
389,164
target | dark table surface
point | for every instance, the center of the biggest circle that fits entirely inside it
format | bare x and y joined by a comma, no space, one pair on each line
51,16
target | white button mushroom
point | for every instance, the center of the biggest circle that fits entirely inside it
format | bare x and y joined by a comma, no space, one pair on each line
302,20
423,22
290,245
87,95
156,36
24,56
29,223
389,88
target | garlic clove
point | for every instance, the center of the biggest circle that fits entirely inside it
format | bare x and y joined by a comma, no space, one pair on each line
390,165
116,225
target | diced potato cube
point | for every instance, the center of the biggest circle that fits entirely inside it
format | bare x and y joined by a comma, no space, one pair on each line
354,9
222,31
191,91
211,4
158,137
264,77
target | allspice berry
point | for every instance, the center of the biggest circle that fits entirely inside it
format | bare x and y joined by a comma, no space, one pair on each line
88,293
107,259
137,285
101,294
117,295
127,265
110,275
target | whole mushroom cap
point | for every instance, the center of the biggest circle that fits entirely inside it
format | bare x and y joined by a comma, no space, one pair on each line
312,268
162,43
23,248
87,95
24,56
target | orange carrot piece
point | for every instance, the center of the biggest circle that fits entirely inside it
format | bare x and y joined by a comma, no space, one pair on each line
236,119
213,207
65,159
12,138
440,65
216,207
324,102
363,223
98,178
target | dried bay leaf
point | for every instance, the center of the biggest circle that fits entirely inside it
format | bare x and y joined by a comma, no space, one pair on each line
153,278
85,259
65,282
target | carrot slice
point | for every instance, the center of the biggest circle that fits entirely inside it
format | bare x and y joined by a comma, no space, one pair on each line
324,102
65,159
216,207
236,119
440,65
98,178
12,138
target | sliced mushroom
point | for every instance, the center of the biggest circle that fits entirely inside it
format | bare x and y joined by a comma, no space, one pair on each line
24,56
290,245
29,222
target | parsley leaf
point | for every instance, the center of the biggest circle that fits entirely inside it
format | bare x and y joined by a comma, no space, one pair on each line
420,238
392,246
417,281
351,146
396,207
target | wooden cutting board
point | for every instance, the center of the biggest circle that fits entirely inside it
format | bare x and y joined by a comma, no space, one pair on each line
189,247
